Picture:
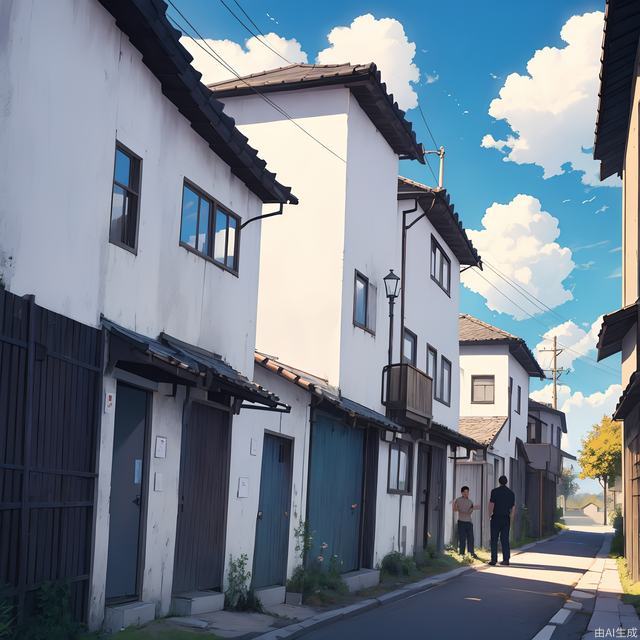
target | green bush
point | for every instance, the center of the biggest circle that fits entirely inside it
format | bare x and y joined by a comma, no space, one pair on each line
238,596
397,564
615,519
559,513
52,618
318,580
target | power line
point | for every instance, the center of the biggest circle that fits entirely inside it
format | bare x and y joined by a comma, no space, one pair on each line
255,35
220,60
249,18
424,119
431,169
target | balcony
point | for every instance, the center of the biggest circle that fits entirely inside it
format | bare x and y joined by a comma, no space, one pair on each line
407,393
545,456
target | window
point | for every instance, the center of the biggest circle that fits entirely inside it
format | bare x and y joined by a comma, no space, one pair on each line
410,341
432,368
125,199
444,390
399,480
364,303
483,389
209,229
559,432
534,432
519,399
440,266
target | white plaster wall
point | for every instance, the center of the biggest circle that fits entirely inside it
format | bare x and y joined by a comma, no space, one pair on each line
55,227
519,420
251,425
301,267
484,360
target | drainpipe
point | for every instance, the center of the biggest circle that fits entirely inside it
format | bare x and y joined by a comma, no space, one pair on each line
263,216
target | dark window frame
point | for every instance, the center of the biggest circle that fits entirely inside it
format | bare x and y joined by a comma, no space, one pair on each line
369,323
407,447
440,396
518,408
414,341
473,379
214,206
432,349
136,194
435,247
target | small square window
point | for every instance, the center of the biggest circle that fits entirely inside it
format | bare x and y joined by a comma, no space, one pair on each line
432,368
364,303
444,390
410,342
483,389
125,199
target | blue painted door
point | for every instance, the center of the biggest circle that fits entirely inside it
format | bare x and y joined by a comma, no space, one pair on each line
272,525
335,491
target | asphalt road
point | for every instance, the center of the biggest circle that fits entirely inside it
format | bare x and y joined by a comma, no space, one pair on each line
497,603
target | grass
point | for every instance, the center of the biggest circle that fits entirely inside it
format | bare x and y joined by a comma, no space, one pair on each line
158,630
631,589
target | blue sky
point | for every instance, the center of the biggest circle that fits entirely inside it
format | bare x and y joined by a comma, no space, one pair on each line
464,52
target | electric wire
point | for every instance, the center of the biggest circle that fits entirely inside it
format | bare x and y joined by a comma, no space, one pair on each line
211,52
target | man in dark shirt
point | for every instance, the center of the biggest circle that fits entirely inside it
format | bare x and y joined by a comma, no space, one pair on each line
501,507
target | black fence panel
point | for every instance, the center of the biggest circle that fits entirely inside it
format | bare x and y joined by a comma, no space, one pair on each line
50,387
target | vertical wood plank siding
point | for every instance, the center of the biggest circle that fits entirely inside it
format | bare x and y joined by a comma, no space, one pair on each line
50,384
335,490
204,487
518,484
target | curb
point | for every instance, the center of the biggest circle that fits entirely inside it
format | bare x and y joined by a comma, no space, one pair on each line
299,628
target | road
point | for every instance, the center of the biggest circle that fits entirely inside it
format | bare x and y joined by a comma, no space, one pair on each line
497,603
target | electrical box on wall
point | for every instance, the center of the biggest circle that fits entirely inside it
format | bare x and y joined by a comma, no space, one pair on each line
243,487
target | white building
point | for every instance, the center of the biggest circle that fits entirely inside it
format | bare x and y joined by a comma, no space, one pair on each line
323,332
126,191
495,367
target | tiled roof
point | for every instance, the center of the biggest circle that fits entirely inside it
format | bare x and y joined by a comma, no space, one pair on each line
473,331
365,84
617,73
146,24
441,213
615,327
482,429
452,436
321,388
543,406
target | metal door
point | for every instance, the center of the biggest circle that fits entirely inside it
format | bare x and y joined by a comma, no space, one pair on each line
204,486
335,491
435,503
272,526
127,493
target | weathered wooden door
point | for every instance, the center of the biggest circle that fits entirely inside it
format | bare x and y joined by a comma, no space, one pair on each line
335,490
422,496
204,484
435,503
273,518
127,493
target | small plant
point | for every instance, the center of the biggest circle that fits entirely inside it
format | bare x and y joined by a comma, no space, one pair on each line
238,596
53,618
396,564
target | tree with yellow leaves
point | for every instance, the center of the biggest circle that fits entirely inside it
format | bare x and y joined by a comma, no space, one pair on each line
601,455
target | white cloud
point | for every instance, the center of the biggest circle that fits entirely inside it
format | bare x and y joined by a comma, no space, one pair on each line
593,245
251,58
582,411
574,341
551,109
431,78
589,200
566,200
519,240
617,273
602,209
384,42
615,250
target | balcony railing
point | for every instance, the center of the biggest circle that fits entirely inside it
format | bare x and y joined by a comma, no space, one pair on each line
407,393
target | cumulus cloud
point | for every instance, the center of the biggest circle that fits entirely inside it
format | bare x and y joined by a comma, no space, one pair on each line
384,42
430,78
250,58
582,410
551,109
602,209
518,239
574,341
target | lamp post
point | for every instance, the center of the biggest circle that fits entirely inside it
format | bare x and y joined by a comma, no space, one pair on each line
392,288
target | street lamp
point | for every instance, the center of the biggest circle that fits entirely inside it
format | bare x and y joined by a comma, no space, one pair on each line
392,289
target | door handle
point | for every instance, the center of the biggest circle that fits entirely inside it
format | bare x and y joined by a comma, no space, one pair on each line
136,501
286,514
259,515
354,506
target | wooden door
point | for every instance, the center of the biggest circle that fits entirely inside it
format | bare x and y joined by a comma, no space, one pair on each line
422,496
204,487
335,490
435,503
273,518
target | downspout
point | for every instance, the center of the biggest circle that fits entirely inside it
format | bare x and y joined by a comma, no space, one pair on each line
279,212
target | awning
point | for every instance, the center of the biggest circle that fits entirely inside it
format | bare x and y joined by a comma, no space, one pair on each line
450,436
167,359
566,454
615,327
323,391
629,399
522,451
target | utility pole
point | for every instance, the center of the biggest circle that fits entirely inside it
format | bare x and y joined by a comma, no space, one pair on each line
557,372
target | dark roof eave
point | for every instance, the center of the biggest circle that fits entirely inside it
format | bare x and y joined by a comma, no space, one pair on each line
615,327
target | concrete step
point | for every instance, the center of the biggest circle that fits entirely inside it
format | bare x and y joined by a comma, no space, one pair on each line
194,603
362,579
271,595
130,614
